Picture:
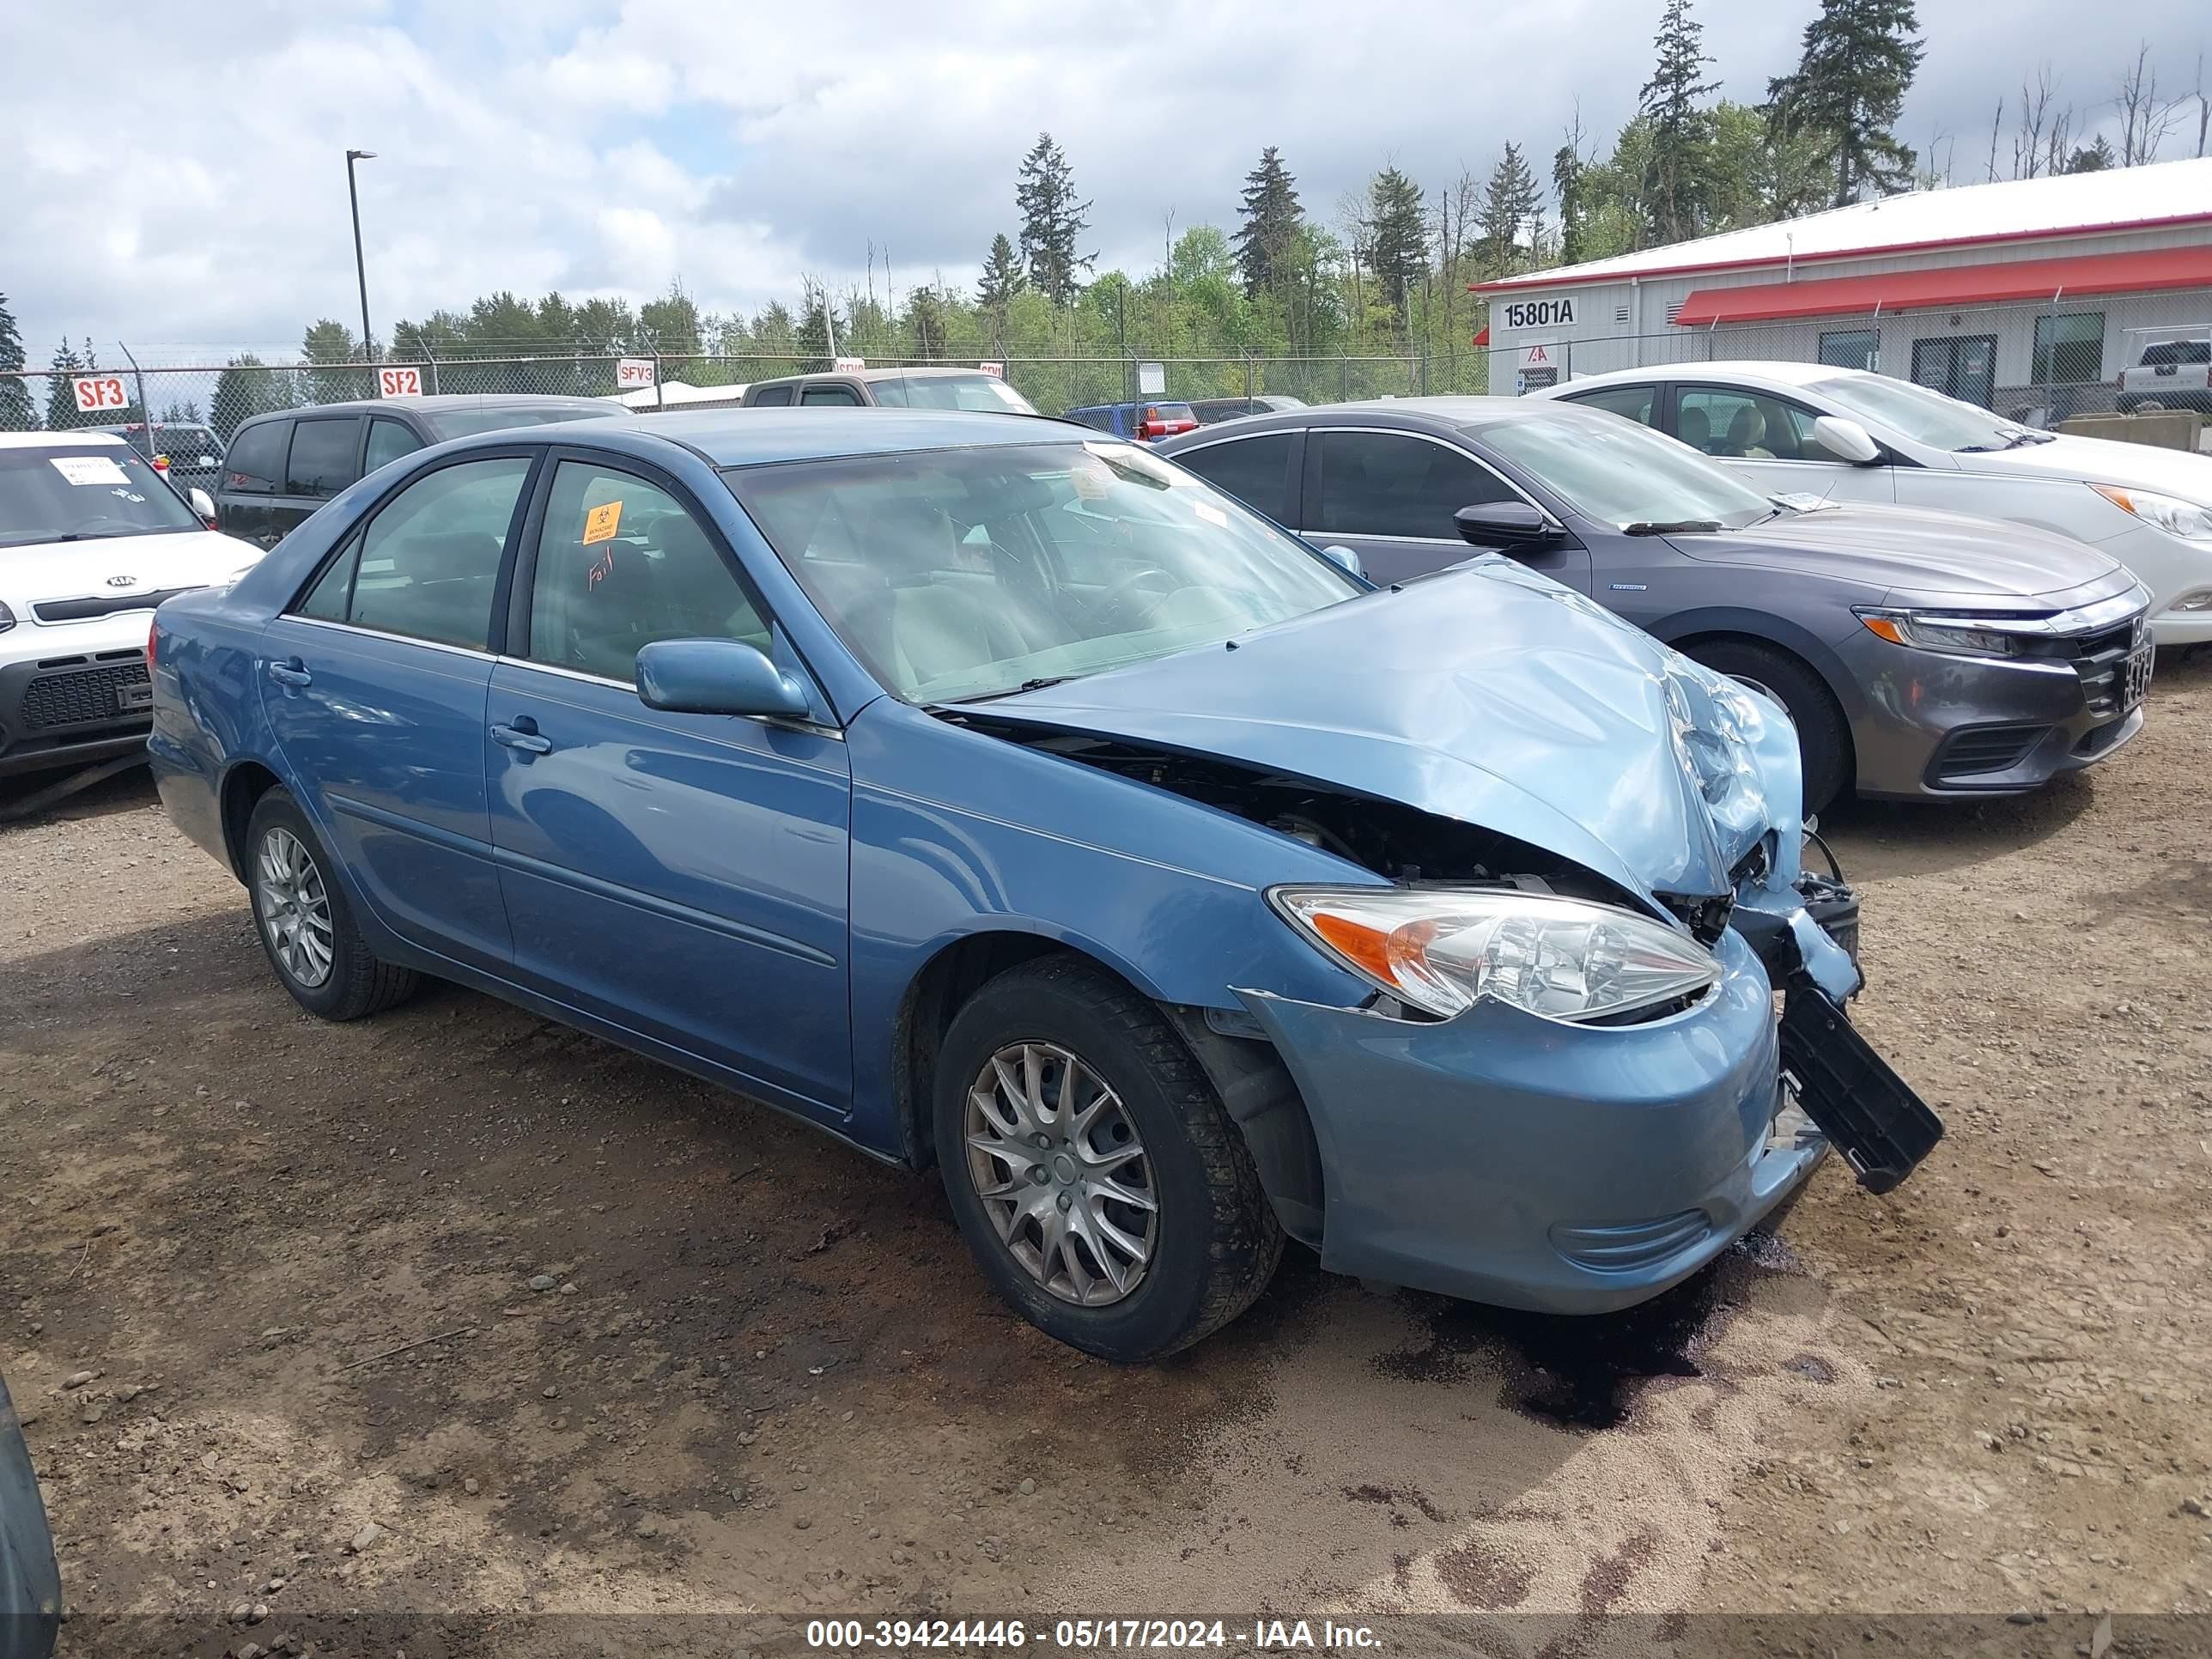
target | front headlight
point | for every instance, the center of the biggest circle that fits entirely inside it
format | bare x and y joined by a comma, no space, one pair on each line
2188,521
1441,949
1931,631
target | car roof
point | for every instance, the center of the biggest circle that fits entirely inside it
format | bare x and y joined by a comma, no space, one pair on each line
752,437
1410,414
432,405
918,371
1776,371
84,434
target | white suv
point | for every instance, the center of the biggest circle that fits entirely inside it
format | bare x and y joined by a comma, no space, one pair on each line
2170,374
91,539
1846,434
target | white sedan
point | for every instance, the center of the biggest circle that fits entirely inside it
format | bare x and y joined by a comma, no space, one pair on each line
1850,435
91,538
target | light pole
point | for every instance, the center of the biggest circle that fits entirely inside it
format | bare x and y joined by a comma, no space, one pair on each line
360,269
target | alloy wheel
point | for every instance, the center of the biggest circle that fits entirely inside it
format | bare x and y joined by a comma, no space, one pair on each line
295,907
1056,1160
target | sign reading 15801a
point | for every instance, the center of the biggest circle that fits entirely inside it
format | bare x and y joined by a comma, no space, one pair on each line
1540,314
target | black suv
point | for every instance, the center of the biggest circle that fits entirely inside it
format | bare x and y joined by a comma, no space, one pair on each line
280,467
195,453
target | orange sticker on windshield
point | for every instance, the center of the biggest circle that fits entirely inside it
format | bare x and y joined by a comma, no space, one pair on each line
602,523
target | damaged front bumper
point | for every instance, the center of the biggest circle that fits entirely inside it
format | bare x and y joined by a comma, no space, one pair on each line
1511,1159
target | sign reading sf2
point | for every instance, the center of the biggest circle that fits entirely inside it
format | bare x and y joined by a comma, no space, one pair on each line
398,382
96,392
1540,314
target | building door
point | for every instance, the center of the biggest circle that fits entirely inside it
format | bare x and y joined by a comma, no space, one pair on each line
1962,366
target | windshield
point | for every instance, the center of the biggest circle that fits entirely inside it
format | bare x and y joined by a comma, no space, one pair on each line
978,391
467,423
84,492
960,574
1622,473
1925,417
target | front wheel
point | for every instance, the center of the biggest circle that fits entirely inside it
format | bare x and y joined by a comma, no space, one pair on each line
1097,1179
306,927
1823,740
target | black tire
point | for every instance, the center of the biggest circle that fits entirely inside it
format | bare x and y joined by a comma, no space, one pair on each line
1216,1242
357,982
1823,740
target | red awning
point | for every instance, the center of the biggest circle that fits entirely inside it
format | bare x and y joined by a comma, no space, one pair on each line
2143,271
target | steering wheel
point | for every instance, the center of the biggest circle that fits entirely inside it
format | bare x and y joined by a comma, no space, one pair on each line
1117,600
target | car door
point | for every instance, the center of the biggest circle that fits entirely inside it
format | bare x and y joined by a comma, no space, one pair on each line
374,682
683,876
1768,441
325,457
1390,496
251,479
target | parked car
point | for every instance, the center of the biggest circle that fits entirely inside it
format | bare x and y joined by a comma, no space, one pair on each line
1140,422
30,1579
1852,436
2169,374
891,388
999,797
280,468
1211,411
91,540
194,452
1920,655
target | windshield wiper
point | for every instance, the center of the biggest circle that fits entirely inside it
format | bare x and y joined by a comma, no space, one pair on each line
1010,691
1668,527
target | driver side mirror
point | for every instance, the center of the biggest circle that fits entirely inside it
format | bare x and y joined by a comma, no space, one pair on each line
718,676
1507,525
1846,440
204,505
1343,558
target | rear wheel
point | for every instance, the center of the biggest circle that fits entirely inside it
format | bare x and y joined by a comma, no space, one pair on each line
1100,1186
1823,740
306,927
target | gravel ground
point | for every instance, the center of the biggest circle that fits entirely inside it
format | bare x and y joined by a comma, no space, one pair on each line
455,1312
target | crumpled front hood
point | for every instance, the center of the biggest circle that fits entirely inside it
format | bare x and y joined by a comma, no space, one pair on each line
1492,696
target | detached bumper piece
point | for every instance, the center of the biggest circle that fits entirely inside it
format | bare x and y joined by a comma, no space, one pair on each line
1869,1113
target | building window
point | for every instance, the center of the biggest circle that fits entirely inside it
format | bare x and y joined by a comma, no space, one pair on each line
1851,347
2069,348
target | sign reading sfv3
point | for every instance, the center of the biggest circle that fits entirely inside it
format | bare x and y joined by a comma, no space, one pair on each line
1540,314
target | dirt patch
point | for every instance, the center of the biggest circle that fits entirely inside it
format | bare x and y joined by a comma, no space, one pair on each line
765,1378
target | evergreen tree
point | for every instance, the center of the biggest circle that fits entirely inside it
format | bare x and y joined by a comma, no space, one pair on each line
17,412
1857,62
1002,276
2087,158
61,411
926,322
1675,191
1567,170
1397,235
331,343
1509,202
1053,222
1272,218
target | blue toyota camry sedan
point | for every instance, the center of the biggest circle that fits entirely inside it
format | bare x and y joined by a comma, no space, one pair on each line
1004,799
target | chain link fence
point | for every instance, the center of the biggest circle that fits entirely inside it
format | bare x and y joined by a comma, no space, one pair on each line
2037,364
216,391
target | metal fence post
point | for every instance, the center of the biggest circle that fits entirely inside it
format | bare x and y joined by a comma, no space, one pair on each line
145,409
430,354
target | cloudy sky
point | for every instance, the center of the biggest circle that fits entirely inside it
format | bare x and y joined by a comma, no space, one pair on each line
180,180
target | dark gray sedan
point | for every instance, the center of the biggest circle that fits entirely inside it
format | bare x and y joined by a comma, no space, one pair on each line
1922,655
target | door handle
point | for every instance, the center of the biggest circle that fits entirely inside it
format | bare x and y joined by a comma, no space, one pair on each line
523,735
290,671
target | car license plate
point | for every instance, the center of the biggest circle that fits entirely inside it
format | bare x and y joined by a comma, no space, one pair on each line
2135,678
1882,1128
131,699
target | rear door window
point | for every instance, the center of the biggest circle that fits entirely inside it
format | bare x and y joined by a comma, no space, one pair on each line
1255,471
255,464
1638,402
1389,484
323,457
427,566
